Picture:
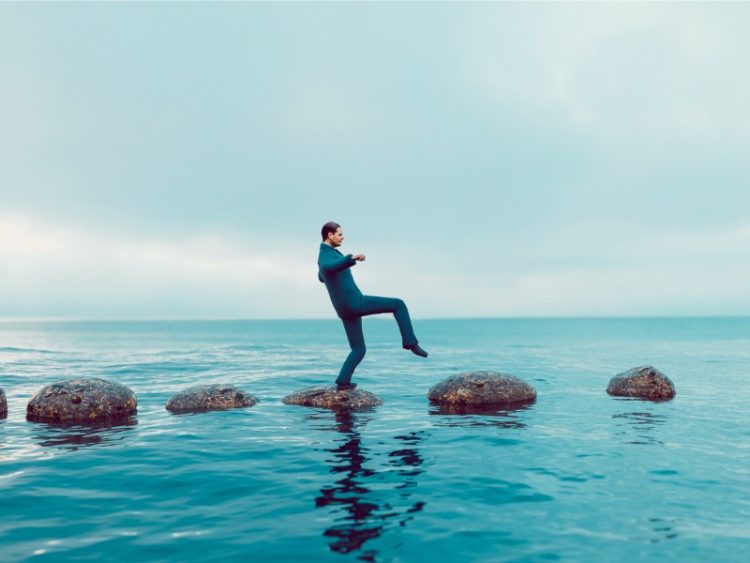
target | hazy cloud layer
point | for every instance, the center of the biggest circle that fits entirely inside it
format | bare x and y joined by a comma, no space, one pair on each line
491,159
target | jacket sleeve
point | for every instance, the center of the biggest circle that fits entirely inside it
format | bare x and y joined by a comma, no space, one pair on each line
331,262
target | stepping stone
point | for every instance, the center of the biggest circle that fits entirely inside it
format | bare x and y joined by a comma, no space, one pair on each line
213,397
644,382
480,389
329,397
90,400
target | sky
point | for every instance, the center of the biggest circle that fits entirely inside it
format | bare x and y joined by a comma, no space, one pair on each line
177,160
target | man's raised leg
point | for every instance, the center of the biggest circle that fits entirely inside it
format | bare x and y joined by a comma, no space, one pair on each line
373,305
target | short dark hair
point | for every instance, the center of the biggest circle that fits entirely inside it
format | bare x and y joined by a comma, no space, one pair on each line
330,227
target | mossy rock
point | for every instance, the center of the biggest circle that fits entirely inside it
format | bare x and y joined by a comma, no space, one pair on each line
644,382
213,397
90,400
329,397
481,389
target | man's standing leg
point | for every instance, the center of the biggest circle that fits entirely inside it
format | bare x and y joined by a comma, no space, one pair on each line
353,327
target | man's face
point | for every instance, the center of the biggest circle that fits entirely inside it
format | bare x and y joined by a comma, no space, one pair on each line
336,238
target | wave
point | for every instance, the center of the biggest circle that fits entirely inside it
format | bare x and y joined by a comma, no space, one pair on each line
25,350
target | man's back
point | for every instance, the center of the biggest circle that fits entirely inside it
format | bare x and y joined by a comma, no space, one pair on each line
334,270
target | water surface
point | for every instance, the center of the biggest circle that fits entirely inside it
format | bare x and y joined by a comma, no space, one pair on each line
578,476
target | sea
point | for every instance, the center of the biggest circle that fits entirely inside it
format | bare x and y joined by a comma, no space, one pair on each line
577,476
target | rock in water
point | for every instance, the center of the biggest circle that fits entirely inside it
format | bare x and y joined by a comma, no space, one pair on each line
214,397
3,405
89,400
480,389
331,398
644,382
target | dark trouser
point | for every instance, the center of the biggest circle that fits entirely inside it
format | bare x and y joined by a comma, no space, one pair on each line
371,305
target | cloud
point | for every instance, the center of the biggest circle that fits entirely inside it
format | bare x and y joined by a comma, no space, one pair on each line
58,270
613,291
586,270
503,159
618,71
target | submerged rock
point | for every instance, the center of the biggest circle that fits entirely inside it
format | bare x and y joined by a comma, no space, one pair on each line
481,389
644,382
331,398
3,405
91,400
214,397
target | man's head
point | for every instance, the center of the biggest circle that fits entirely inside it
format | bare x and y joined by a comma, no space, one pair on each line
332,234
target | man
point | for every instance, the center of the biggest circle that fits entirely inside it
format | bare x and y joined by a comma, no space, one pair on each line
351,305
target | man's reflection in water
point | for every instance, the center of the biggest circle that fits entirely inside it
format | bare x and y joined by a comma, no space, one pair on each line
364,516
410,460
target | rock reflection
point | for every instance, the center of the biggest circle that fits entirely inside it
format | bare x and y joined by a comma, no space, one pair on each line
364,515
639,427
74,437
468,417
663,528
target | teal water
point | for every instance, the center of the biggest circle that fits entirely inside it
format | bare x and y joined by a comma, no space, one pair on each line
578,476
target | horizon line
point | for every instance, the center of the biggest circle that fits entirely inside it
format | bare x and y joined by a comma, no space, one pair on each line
302,319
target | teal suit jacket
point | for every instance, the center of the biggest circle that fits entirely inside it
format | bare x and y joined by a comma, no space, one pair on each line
334,270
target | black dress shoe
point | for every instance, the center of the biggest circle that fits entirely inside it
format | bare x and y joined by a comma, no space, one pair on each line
345,386
415,349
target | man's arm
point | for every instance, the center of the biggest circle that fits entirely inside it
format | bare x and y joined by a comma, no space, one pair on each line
332,262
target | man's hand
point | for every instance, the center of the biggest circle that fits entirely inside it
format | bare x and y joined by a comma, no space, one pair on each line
359,257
